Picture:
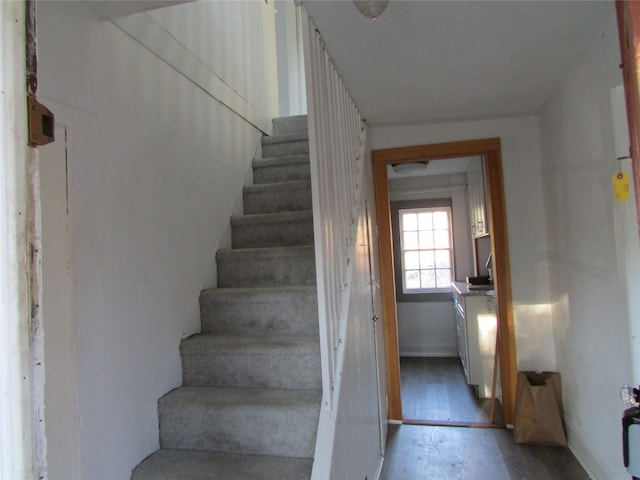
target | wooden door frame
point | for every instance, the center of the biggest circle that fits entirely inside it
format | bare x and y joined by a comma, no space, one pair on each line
490,150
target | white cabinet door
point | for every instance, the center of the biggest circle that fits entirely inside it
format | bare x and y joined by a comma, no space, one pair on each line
462,341
476,329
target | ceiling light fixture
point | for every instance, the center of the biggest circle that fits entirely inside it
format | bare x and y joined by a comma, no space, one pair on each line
410,168
371,8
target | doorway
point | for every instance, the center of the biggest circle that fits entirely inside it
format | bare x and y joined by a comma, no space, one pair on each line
490,150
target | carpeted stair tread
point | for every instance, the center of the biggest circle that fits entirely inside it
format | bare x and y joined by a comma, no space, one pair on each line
271,218
277,197
251,311
250,345
281,169
272,229
263,267
290,124
278,422
166,464
281,161
285,145
288,186
286,138
267,361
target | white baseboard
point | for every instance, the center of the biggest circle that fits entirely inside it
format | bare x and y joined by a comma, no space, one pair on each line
379,471
589,461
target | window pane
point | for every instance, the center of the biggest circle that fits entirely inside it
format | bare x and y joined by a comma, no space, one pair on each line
425,221
410,241
411,260
426,249
443,278
440,221
409,221
426,239
427,259
428,278
412,279
443,259
441,238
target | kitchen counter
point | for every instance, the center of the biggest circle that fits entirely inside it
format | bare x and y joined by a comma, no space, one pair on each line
464,289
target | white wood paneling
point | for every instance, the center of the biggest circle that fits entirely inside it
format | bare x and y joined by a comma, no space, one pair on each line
352,424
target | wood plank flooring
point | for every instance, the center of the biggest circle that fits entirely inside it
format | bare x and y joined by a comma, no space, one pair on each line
416,452
434,391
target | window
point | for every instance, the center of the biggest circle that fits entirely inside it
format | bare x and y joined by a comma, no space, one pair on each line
426,249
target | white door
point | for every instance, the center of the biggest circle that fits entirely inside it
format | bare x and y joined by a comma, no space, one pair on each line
378,333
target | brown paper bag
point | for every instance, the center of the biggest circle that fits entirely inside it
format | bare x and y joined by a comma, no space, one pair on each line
538,412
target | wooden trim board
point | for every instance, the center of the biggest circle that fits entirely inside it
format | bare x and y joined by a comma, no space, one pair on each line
490,150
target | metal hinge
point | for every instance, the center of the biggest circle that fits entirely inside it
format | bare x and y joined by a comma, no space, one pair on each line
41,123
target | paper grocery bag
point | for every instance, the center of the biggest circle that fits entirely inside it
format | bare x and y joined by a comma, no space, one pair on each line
538,412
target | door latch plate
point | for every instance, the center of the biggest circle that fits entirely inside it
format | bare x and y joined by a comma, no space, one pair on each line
41,123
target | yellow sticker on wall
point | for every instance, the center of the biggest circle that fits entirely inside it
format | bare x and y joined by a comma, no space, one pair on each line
621,186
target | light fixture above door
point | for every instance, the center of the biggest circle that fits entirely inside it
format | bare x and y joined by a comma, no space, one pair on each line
413,168
371,8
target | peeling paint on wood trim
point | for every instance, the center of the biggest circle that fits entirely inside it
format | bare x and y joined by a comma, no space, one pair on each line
34,261
32,47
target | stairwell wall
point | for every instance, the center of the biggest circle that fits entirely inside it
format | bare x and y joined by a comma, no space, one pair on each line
156,166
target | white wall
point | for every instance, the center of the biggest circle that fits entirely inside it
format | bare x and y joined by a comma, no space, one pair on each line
587,251
61,394
291,83
525,219
156,165
428,329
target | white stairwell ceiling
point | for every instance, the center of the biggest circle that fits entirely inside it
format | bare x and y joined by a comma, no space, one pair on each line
430,61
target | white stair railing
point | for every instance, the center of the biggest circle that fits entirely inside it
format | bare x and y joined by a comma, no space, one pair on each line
337,137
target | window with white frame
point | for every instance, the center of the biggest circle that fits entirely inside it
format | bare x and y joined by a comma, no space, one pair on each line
426,249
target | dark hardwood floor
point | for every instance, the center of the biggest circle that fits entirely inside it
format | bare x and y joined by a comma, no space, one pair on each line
434,391
417,452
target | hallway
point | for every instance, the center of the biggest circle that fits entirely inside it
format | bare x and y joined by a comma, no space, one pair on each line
455,453
434,391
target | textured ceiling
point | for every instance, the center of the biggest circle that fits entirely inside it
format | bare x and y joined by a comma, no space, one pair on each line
428,61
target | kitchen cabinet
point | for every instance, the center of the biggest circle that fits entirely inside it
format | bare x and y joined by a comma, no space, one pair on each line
477,198
476,323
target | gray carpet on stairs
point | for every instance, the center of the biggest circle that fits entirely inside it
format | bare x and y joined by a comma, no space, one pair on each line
250,400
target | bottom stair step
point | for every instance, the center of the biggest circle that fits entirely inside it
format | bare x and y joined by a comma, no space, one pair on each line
186,464
252,421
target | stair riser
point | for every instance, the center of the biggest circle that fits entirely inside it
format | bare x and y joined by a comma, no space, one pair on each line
284,173
276,200
285,149
290,125
248,268
284,311
286,430
275,370
272,235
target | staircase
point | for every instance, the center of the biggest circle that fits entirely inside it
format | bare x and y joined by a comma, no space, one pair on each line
250,400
